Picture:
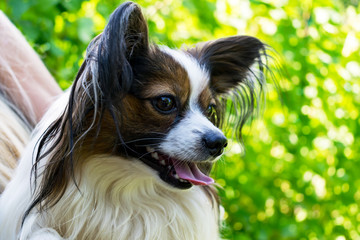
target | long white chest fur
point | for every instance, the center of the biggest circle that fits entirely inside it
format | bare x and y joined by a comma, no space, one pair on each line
121,199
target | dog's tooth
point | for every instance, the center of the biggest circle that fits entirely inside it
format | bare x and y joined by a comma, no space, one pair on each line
155,155
176,176
162,162
150,149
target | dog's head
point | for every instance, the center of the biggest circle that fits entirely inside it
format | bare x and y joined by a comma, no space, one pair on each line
161,106
168,104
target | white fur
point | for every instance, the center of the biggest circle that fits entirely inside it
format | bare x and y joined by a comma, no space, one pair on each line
198,76
118,199
185,140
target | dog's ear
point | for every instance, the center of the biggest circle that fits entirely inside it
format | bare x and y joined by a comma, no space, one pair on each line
228,60
236,70
125,37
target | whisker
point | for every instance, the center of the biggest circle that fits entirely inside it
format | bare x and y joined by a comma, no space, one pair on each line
158,133
147,153
142,139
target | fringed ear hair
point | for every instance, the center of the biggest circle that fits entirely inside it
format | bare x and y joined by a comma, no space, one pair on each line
125,36
233,78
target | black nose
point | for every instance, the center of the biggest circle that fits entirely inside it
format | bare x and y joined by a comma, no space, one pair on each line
215,143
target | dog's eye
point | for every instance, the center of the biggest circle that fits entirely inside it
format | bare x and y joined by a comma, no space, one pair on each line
211,110
164,104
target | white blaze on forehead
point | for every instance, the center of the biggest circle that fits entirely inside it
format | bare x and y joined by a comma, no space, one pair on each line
198,76
185,142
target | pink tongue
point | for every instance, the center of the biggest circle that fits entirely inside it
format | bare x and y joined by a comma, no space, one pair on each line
190,172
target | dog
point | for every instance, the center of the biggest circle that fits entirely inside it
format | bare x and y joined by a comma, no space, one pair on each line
126,152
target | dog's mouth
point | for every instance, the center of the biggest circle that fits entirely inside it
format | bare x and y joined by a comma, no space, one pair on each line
179,174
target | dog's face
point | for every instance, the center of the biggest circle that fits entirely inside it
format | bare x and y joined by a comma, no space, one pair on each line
169,116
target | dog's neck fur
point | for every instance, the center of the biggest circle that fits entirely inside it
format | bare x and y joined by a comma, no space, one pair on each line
120,199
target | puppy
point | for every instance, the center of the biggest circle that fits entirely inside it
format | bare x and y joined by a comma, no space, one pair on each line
127,151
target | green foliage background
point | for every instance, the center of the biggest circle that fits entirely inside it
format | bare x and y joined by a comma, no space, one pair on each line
300,176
